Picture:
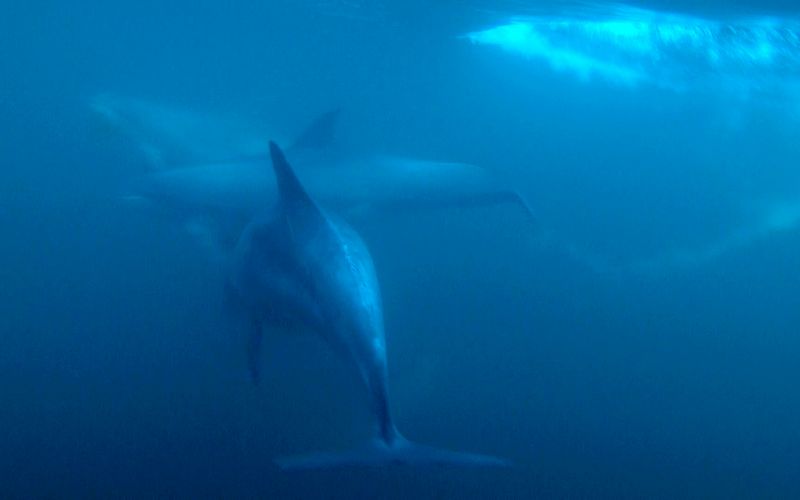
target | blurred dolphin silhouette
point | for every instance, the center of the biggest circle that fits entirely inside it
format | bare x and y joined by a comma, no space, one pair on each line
381,182
171,136
298,266
203,163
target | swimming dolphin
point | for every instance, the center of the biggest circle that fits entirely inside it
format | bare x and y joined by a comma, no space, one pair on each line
299,266
381,182
206,163
169,135
677,51
214,202
743,58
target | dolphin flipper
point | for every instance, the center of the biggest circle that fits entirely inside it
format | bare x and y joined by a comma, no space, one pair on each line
379,454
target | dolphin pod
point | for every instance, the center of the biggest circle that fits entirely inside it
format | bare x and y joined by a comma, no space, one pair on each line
298,266
210,173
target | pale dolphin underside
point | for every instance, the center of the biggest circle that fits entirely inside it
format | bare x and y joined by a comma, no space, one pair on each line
298,266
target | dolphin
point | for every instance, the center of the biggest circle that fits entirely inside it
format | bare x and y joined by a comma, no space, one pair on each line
169,135
742,58
628,46
301,267
380,182
206,163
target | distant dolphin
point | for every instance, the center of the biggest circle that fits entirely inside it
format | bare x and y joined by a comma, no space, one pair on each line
300,267
171,136
205,163
766,220
380,182
629,46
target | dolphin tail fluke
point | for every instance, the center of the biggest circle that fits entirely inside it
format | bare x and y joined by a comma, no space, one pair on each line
380,454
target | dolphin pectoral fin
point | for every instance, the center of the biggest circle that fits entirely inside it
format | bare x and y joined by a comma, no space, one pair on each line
255,338
379,454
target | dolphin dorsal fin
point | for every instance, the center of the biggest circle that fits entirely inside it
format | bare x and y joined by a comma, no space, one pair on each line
291,193
319,134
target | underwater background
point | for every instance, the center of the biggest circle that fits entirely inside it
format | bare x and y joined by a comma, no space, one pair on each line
639,340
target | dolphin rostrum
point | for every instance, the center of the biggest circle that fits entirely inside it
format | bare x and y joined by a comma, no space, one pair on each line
299,266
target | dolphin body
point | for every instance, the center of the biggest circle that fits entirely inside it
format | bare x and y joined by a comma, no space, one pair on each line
216,201
383,182
203,164
629,46
169,136
298,266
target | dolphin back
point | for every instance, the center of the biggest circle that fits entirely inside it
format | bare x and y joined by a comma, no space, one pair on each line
319,134
351,309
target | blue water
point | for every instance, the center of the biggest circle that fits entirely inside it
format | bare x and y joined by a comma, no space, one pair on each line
639,341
